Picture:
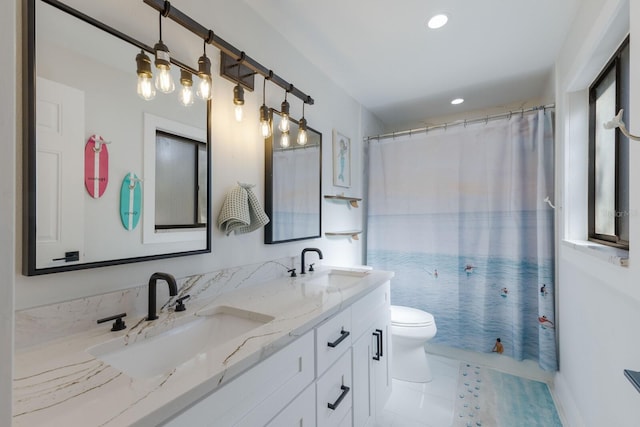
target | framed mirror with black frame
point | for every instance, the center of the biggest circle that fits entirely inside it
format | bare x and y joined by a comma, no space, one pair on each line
80,86
293,182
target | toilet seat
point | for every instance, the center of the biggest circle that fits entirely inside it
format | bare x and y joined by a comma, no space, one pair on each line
410,317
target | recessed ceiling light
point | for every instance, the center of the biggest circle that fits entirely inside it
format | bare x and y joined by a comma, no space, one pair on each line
457,101
437,21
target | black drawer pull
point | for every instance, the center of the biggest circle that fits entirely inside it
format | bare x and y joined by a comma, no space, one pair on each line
335,404
379,345
343,335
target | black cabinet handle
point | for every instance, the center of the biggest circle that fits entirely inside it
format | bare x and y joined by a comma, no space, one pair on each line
335,404
343,335
379,344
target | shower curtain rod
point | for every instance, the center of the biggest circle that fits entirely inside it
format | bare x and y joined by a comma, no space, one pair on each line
485,119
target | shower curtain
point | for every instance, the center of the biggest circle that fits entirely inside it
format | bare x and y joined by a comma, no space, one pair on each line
460,216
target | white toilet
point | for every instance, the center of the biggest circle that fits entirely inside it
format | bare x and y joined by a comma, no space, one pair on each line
410,330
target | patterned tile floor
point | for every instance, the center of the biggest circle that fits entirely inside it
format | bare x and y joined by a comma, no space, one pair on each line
437,403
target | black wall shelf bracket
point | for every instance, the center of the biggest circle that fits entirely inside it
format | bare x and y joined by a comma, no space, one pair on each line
229,70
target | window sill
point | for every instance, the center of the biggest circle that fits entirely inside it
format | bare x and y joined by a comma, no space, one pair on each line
615,256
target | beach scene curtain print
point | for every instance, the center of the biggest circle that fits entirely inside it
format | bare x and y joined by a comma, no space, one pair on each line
460,216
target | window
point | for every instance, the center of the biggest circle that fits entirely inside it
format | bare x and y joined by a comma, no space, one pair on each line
182,222
609,154
181,176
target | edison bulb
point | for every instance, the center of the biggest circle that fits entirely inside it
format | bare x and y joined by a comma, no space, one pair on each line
145,87
186,96
204,88
265,128
238,113
164,80
284,140
302,136
284,123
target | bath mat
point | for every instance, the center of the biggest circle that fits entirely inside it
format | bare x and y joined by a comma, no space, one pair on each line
486,397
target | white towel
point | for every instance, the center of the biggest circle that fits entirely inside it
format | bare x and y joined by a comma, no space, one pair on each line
241,211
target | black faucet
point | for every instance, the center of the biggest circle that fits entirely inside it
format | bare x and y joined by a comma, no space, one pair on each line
173,290
318,251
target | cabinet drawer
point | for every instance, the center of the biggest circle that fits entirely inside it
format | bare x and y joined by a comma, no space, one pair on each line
334,393
365,311
333,337
299,413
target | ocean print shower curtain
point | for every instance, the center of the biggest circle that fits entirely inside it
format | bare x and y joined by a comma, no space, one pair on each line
460,216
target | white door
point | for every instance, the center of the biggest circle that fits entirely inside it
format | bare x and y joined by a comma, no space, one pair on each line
60,171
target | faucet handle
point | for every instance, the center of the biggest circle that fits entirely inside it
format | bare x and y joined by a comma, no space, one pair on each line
118,325
293,272
311,267
180,303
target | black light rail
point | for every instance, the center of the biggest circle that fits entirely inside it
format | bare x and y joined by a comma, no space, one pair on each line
168,11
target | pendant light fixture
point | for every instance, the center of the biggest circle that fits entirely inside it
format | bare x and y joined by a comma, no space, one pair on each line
164,81
145,78
284,111
230,57
265,124
302,128
186,93
238,96
204,73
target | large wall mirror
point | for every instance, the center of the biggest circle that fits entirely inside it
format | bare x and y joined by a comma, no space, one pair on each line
80,87
293,184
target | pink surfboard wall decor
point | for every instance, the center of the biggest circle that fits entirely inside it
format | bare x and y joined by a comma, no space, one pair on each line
96,166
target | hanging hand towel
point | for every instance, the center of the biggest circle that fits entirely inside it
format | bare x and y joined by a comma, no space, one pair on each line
241,211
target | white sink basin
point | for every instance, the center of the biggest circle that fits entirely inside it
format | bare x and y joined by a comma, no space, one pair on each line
163,349
339,279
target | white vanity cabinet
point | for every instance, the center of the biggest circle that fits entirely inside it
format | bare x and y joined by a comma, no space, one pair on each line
368,323
335,375
371,355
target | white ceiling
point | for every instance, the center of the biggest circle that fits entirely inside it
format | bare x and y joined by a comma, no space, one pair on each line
492,53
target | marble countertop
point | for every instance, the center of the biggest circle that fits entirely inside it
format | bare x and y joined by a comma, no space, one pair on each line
61,383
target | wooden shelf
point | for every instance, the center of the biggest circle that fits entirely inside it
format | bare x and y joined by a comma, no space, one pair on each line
353,201
348,233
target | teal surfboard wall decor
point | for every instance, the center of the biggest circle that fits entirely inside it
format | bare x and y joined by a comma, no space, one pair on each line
130,201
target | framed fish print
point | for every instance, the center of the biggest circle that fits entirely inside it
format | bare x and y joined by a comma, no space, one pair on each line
341,160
